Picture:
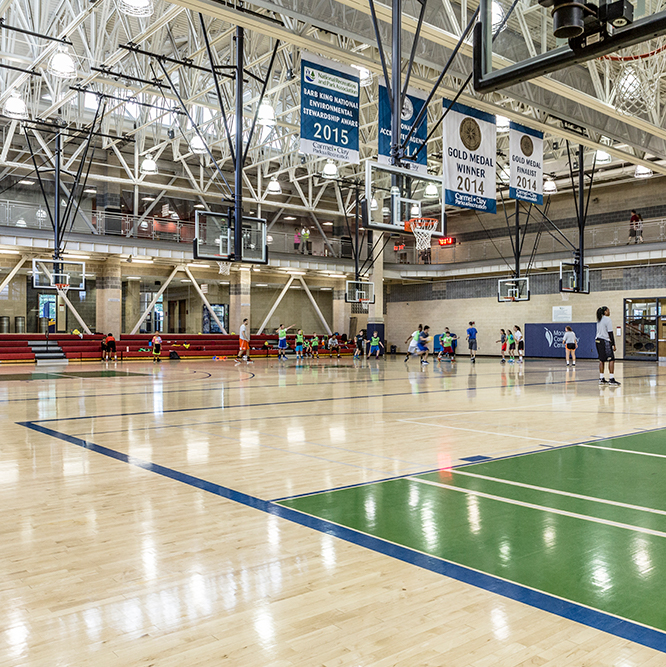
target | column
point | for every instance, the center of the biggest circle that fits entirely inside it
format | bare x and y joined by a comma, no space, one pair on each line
132,304
239,299
341,309
109,297
376,309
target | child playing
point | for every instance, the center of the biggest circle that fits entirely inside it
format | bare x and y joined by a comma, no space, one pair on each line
502,341
281,331
360,344
299,344
570,343
374,345
446,341
314,346
333,346
157,347
512,345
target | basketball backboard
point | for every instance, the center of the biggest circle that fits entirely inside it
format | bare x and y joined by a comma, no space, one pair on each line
49,274
359,291
214,238
569,278
393,196
513,289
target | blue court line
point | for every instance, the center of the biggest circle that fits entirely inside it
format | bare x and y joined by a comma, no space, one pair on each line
593,618
314,400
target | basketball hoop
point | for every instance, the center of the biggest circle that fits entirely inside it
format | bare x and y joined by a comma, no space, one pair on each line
62,287
423,229
225,268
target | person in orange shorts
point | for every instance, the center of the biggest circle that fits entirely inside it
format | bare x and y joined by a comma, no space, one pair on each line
244,343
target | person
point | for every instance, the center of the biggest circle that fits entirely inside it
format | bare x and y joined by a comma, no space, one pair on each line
110,347
374,345
307,348
300,339
570,343
512,345
454,342
314,345
297,240
422,345
156,343
446,341
520,342
413,342
333,345
281,331
244,343
471,341
502,342
635,227
605,342
360,344
305,238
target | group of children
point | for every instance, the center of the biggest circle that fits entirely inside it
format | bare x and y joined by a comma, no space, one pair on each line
307,347
511,339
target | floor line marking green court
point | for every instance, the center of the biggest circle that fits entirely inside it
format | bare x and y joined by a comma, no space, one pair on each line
541,508
626,451
474,430
568,494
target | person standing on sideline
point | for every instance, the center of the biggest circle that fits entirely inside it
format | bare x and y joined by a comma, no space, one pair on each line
502,342
374,345
512,345
570,343
520,342
110,347
157,347
635,227
471,341
422,345
244,343
297,240
413,342
314,345
300,341
281,331
605,342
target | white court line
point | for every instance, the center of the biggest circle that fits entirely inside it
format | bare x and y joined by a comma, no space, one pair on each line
544,489
474,430
625,451
543,508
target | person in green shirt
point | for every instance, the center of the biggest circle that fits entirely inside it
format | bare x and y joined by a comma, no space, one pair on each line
314,345
375,343
512,345
300,339
281,331
446,342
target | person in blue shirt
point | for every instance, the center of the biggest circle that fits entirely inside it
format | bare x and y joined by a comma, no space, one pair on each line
471,341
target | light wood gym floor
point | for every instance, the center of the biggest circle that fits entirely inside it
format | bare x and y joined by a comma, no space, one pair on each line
136,528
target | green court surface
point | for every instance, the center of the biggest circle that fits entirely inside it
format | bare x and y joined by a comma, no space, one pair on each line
586,523
64,375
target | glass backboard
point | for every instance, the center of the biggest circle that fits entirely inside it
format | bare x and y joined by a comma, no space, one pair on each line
50,273
214,238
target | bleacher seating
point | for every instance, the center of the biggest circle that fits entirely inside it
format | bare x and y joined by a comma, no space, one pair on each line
15,347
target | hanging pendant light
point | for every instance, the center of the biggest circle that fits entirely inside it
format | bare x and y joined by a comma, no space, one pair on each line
549,187
364,75
148,166
330,170
15,106
643,172
266,115
415,211
431,191
198,145
274,187
140,8
62,64
373,204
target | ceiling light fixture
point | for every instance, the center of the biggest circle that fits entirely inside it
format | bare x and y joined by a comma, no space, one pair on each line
21,223
149,166
364,74
62,65
603,158
642,172
373,204
266,115
26,181
15,106
274,187
415,211
290,217
330,170
141,8
502,123
549,187
431,191
198,145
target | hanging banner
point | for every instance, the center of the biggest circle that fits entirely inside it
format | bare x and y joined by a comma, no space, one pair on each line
329,109
414,101
526,150
469,158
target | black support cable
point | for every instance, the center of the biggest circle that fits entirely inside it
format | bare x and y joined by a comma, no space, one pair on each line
382,56
493,242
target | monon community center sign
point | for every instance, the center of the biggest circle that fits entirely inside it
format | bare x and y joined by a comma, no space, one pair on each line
545,340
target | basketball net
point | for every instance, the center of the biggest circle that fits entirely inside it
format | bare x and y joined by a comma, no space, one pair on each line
225,268
423,229
638,70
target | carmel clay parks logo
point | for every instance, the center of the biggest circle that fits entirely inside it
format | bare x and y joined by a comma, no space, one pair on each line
470,134
526,145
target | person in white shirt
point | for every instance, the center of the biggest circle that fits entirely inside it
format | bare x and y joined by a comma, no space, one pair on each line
244,343
520,341
413,342
605,342
570,343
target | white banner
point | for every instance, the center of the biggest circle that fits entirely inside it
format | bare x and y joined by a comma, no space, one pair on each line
469,158
526,151
329,109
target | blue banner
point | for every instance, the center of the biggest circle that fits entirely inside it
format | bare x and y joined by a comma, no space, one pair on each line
329,109
414,102
545,340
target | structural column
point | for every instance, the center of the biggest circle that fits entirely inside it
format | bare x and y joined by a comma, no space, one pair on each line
239,299
109,297
132,304
341,309
376,309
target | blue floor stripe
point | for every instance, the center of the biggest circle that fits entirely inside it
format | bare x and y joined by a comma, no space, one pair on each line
570,610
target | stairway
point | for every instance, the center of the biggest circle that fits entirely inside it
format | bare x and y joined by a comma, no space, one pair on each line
47,352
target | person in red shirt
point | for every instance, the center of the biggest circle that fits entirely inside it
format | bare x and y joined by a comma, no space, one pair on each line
110,346
635,227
